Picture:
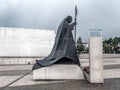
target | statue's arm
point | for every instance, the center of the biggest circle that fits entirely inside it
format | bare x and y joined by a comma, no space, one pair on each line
72,25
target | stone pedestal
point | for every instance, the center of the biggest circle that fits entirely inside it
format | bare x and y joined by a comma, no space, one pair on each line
58,72
94,73
96,60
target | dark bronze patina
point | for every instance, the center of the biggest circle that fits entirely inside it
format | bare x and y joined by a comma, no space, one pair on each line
64,50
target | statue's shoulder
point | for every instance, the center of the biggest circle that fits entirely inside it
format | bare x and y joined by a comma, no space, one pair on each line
62,24
64,20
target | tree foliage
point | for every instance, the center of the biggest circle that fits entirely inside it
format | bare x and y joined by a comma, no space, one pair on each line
80,46
111,45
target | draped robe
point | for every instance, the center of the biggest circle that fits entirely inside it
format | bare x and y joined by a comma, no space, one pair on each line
64,50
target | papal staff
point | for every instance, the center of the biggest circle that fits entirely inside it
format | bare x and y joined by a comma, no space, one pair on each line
76,13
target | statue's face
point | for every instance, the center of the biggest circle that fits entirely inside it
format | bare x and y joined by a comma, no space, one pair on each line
69,19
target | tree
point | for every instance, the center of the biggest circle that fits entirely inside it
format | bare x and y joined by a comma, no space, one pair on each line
111,45
80,46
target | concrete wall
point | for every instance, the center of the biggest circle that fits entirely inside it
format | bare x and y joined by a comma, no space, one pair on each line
25,42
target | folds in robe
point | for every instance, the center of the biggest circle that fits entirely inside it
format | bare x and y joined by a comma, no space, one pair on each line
64,50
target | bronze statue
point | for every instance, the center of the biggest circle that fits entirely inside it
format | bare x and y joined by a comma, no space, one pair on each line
64,50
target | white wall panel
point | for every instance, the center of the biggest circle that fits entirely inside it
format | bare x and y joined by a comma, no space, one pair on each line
25,42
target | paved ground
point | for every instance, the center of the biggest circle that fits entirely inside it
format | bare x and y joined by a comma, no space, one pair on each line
19,77
111,84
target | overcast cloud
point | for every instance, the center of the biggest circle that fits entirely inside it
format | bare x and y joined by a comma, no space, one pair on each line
47,14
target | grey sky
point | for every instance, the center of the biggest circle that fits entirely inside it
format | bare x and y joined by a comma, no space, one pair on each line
47,14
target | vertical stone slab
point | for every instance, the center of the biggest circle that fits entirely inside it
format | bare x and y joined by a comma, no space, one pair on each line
96,59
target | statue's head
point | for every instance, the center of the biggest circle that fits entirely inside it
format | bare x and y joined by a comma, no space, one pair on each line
69,19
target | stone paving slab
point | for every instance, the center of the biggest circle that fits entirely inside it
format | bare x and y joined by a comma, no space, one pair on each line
109,84
116,66
27,80
10,73
113,61
14,72
111,74
5,80
15,67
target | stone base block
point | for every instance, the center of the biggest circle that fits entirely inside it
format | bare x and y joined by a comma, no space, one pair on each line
97,79
58,72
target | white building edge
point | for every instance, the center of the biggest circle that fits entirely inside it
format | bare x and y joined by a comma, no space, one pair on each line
25,42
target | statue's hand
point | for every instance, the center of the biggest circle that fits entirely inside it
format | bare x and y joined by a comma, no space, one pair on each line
75,23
